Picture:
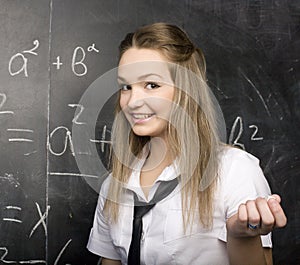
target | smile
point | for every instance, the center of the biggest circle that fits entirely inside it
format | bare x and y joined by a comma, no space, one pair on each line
141,118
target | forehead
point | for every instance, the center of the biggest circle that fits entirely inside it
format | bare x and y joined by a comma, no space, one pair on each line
138,63
134,55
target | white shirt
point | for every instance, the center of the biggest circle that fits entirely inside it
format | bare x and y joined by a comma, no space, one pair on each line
163,238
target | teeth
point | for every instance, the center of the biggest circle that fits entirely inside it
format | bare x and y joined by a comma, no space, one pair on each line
141,116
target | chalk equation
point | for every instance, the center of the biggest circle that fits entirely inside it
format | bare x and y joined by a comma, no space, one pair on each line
18,63
11,213
24,134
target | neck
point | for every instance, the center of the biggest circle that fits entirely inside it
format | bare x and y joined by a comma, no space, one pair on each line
159,154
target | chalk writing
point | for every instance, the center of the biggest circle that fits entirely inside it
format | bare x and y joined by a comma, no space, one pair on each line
24,60
234,138
92,48
238,122
2,102
103,140
68,138
20,139
76,63
62,251
75,119
42,220
72,174
58,63
5,253
79,68
253,136
14,208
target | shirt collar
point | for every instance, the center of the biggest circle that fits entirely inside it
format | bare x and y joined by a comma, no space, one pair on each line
170,172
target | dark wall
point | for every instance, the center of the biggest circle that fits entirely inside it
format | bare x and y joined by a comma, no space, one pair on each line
51,51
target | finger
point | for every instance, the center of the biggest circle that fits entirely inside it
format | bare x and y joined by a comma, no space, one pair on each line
253,213
280,218
242,215
266,216
274,196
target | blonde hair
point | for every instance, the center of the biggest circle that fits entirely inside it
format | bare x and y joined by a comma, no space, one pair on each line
191,88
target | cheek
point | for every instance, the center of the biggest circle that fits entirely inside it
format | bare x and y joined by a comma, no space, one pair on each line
123,102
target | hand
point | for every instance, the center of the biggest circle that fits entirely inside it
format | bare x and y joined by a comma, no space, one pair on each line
257,217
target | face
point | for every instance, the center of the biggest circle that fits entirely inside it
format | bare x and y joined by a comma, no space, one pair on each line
146,91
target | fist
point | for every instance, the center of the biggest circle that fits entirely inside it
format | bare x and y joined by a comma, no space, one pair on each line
257,217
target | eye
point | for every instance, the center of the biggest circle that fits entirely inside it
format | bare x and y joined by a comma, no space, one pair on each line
125,87
151,85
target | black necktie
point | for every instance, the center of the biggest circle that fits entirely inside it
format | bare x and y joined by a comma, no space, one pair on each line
140,209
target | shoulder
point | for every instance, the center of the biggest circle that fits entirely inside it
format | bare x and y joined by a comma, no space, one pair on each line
233,154
241,179
239,168
231,158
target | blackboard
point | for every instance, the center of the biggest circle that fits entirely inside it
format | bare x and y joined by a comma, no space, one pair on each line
51,51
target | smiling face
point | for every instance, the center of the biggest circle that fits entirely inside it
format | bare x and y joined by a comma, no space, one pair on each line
146,91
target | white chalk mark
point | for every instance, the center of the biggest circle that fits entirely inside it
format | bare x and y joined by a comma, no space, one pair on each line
80,62
6,112
10,207
68,137
238,121
103,138
92,48
36,44
13,207
32,261
10,178
12,220
19,140
23,68
83,153
41,221
30,153
100,141
25,60
257,92
72,174
270,157
58,63
20,130
253,136
5,250
48,110
61,252
3,100
75,119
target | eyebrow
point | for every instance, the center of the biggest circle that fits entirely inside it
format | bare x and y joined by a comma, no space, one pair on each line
141,78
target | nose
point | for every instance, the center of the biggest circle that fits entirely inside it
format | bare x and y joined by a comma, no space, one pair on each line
136,97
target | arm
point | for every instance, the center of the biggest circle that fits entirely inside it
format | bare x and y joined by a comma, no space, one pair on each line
243,250
110,262
243,243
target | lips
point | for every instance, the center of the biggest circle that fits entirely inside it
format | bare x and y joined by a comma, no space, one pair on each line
141,117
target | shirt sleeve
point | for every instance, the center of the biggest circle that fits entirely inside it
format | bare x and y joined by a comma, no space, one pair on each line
100,241
242,179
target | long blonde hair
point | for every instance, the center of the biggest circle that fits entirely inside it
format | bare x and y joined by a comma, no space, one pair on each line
200,181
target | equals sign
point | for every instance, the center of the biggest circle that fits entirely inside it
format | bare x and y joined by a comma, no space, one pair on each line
20,139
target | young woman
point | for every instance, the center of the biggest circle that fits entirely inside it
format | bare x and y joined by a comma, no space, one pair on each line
219,211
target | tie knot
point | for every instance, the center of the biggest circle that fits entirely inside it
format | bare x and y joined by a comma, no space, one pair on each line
141,210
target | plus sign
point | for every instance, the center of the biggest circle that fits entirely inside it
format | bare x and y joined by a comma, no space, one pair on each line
58,63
